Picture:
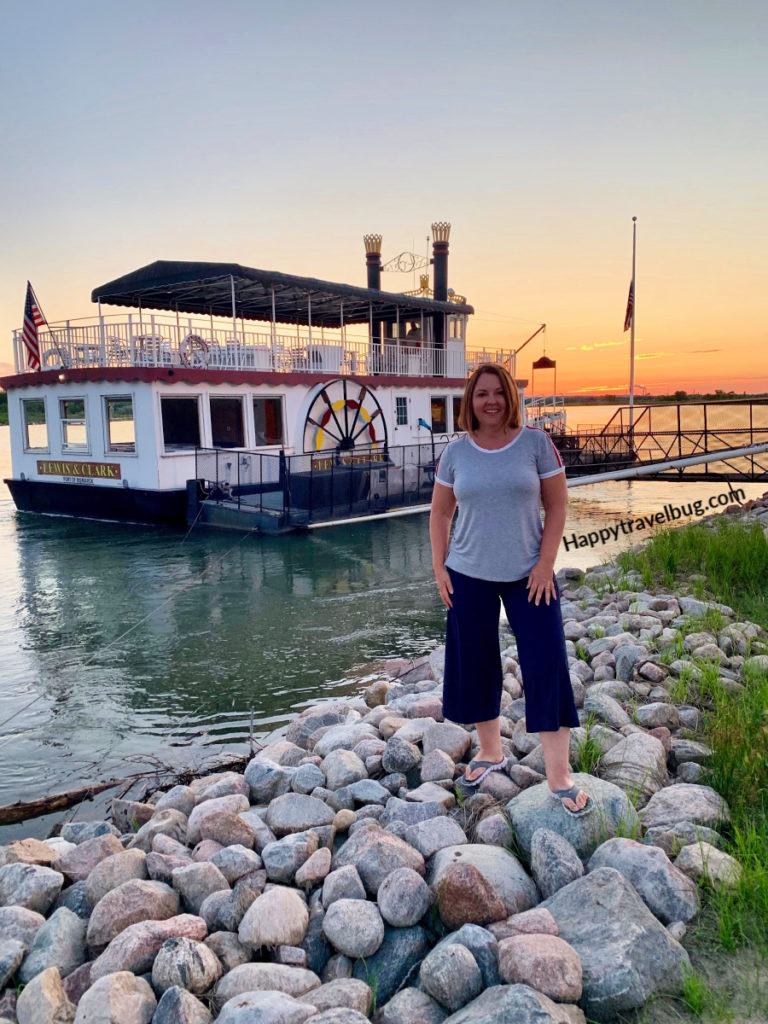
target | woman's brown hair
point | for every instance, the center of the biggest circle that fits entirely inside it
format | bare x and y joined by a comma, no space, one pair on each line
467,418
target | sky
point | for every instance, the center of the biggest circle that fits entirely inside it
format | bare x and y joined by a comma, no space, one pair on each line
276,135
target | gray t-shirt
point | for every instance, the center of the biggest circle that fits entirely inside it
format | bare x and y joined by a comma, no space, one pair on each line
498,528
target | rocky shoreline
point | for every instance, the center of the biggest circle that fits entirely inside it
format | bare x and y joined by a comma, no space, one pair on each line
347,875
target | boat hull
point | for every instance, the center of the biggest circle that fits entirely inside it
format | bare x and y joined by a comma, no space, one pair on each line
121,504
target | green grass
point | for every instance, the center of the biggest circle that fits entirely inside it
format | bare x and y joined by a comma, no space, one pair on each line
733,560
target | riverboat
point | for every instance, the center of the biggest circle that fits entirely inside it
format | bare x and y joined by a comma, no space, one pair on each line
230,392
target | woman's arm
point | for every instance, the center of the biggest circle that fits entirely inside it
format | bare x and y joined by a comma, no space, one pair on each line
440,518
554,498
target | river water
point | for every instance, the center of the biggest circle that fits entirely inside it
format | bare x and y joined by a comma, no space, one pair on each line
124,644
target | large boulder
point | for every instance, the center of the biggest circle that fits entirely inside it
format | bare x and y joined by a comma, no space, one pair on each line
278,917
376,853
535,808
60,943
499,868
296,812
133,901
627,956
701,805
521,1004
638,765
668,893
31,886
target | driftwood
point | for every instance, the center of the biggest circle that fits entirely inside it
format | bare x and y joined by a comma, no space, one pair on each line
11,814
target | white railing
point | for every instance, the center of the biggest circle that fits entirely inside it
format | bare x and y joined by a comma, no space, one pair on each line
161,341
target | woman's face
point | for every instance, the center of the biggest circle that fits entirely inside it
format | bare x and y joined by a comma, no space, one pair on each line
489,403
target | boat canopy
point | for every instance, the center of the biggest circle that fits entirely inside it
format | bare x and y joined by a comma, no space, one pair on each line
221,289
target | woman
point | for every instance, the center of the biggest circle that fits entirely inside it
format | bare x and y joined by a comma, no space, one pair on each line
497,475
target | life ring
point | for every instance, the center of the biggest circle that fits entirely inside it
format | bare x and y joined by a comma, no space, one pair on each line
193,351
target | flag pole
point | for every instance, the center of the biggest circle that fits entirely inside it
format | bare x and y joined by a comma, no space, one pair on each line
632,328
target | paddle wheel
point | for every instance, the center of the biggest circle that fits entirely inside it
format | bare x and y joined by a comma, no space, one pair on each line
344,415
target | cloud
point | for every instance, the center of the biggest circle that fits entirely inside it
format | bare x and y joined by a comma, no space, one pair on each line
700,351
653,355
607,344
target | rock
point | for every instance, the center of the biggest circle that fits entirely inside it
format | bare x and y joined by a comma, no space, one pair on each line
179,798
627,656
312,719
233,804
342,993
295,812
283,858
346,736
607,710
306,778
20,924
266,1007
78,863
177,1006
703,862
135,948
343,883
530,922
431,793
650,670
505,1004
403,898
685,802
131,902
398,955
227,829
59,943
545,962
688,750
483,946
228,948
11,954
650,716
757,663
341,1015
434,834
500,869
451,739
166,823
672,838
554,863
464,896
130,815
366,791
278,917
436,766
289,981
354,927
534,808
282,752
665,890
197,881
187,964
411,1006
638,765
44,1001
117,998
235,861
626,954
451,976
31,886
315,869
267,780
411,812
28,851
79,831
342,768
400,755
494,830
113,872
376,853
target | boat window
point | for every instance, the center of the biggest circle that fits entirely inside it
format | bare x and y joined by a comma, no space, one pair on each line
439,411
456,327
181,423
456,411
268,420
33,424
227,429
118,415
401,410
74,435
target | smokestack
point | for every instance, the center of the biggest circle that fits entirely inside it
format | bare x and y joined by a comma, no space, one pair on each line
373,260
441,231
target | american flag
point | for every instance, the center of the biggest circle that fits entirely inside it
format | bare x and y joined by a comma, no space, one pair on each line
33,318
630,314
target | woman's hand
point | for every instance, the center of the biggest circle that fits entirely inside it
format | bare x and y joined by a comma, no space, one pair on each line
444,586
541,583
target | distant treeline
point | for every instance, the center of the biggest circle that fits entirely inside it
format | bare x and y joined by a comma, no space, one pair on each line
675,396
3,408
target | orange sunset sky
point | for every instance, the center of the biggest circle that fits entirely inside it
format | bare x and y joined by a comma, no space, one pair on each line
277,135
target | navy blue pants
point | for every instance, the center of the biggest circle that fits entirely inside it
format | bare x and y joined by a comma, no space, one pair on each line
472,682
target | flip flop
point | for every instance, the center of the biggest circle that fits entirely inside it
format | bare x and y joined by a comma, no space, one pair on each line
571,794
489,766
